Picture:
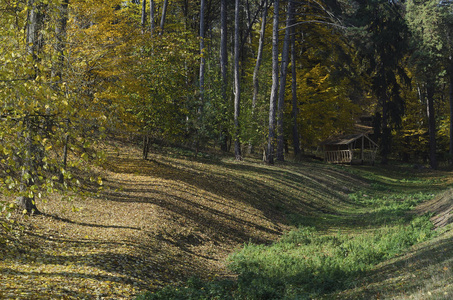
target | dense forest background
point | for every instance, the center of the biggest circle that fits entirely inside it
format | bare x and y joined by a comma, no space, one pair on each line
243,76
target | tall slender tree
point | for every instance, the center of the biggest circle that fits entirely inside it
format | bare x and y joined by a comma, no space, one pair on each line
237,87
60,36
143,19
30,156
202,50
424,19
259,56
223,70
295,104
282,88
152,21
274,88
163,17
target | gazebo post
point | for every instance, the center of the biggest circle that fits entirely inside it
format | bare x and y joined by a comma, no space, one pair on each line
362,150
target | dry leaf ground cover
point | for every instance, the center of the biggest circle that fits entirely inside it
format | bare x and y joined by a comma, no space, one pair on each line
157,222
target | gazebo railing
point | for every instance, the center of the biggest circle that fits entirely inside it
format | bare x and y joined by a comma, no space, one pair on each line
338,156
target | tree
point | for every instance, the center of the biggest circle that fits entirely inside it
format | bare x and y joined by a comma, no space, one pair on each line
152,22
381,37
447,33
40,109
274,89
282,88
295,109
237,87
223,68
143,19
259,55
164,15
423,19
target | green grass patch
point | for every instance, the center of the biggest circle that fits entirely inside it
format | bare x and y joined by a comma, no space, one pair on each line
307,264
304,264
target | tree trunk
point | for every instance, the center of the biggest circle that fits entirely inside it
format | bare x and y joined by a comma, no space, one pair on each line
34,38
451,113
152,21
237,88
162,19
386,134
259,57
143,20
295,111
146,142
248,15
28,158
60,36
202,50
274,89
281,94
223,70
431,125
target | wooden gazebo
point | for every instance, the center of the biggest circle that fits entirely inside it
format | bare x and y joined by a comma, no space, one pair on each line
352,148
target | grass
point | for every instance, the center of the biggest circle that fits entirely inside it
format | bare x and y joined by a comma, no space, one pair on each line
313,261
214,228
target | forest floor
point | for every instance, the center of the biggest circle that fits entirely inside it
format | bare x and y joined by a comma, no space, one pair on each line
169,218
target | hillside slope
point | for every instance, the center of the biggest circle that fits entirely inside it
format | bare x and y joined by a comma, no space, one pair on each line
425,271
169,218
161,221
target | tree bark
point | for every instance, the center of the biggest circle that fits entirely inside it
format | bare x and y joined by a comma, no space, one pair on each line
259,57
202,49
281,94
274,89
34,38
386,134
248,15
223,69
237,88
451,113
60,36
431,125
295,110
152,21
143,20
28,158
162,19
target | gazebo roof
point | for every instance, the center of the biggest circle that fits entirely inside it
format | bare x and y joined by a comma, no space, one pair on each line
355,134
343,140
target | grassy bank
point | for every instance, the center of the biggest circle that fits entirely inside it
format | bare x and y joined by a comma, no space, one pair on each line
336,254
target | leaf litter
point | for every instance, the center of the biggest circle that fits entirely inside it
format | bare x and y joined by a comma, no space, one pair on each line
156,222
